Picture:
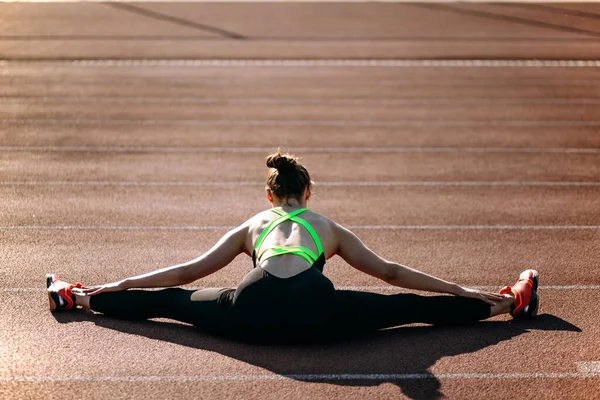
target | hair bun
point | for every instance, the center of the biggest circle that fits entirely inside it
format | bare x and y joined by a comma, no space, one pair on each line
281,161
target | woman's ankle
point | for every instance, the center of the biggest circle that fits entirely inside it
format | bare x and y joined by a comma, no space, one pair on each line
82,300
502,307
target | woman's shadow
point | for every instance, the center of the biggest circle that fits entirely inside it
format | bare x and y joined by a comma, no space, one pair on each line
384,356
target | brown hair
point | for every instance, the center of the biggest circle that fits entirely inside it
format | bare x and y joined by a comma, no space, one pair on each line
287,177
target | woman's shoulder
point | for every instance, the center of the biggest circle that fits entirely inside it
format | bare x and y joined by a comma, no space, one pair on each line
322,221
260,219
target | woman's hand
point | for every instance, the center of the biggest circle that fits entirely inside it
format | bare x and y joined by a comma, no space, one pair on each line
94,290
488,297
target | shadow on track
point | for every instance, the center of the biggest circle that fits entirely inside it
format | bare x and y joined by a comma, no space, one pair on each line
403,350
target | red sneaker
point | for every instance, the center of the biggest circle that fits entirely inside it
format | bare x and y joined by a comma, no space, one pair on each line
527,302
60,294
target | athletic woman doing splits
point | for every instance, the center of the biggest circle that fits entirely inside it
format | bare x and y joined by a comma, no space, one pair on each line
286,297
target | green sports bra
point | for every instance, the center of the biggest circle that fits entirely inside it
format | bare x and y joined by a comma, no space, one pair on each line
300,251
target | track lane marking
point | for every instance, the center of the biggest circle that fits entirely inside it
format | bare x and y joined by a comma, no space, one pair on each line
287,100
478,287
282,1
306,377
335,123
166,149
356,288
357,227
592,367
173,82
398,63
318,184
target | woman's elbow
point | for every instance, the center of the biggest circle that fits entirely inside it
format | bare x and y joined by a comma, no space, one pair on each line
391,273
186,275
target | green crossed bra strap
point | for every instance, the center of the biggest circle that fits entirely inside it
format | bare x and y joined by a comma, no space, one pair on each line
300,251
293,217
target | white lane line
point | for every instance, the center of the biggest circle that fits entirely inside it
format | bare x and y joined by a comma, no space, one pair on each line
328,100
142,184
590,367
286,82
473,227
488,287
356,288
284,1
305,377
405,63
281,1
318,184
358,227
158,149
118,228
334,123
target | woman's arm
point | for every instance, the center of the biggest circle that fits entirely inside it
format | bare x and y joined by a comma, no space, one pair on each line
359,256
221,254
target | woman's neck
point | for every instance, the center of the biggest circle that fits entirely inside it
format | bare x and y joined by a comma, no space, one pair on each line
289,203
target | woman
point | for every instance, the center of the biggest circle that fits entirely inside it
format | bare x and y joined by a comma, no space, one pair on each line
286,297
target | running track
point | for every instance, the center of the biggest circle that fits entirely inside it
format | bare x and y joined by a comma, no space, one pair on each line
133,135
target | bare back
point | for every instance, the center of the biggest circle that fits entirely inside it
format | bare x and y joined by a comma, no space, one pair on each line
290,234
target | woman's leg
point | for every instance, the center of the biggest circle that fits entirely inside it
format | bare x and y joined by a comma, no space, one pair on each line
362,311
205,308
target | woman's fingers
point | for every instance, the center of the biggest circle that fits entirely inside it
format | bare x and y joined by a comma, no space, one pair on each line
488,297
487,300
493,296
96,291
89,291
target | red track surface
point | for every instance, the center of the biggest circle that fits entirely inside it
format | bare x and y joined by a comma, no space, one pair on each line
471,174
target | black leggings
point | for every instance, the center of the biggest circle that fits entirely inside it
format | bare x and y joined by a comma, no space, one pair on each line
304,307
